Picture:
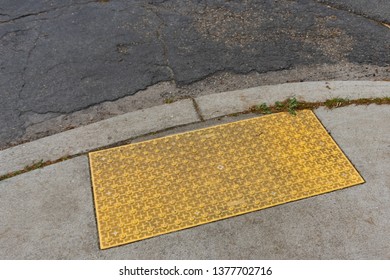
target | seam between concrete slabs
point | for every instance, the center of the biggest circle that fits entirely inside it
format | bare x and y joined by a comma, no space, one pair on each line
135,124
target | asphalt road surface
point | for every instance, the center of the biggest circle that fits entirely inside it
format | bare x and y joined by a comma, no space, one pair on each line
59,57
375,9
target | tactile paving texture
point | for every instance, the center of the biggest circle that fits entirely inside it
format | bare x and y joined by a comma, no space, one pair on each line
180,181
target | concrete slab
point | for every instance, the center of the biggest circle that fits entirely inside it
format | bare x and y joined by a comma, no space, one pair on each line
94,136
221,104
49,214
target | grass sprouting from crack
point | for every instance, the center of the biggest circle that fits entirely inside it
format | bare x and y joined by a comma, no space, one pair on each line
34,166
291,105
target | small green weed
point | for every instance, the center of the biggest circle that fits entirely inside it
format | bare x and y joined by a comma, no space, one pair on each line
169,100
279,105
264,109
293,105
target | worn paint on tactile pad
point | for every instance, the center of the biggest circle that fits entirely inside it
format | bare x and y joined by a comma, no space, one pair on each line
180,181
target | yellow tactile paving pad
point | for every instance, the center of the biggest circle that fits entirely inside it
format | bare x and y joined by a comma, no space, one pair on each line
180,181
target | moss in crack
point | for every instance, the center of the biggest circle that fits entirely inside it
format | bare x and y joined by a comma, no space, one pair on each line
34,166
335,102
291,105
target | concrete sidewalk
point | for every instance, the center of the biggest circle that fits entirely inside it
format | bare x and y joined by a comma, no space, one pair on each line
48,213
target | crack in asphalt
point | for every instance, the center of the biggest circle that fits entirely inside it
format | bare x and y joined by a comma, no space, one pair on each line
225,70
344,8
14,32
43,12
34,45
88,106
24,16
151,8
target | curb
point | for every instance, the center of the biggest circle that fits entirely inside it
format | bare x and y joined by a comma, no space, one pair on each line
134,124
226,103
97,135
